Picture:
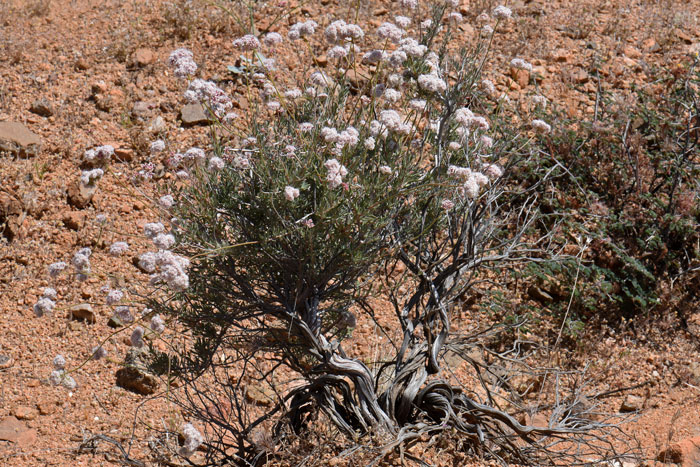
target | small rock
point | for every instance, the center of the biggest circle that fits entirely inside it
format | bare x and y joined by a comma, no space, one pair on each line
579,76
694,368
74,220
561,55
81,64
141,110
260,396
23,412
143,57
134,376
42,107
650,45
82,312
685,37
10,212
686,453
538,294
156,125
47,407
193,114
358,80
6,362
631,52
115,322
632,403
17,432
80,195
124,154
520,76
16,138
321,60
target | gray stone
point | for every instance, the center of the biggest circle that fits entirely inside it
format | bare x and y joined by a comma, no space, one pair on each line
156,125
82,312
632,403
42,107
6,362
16,138
80,195
142,110
194,114
134,376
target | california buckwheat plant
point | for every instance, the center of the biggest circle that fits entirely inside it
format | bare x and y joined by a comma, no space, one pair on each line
386,175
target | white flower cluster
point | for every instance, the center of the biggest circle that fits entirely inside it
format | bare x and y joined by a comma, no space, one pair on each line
291,193
157,324
272,39
56,268
432,83
59,375
193,439
336,172
247,43
99,156
81,263
467,120
393,121
540,126
301,29
209,94
182,61
137,337
339,31
118,248
157,146
390,32
502,12
114,296
46,303
472,181
521,64
91,177
348,137
171,270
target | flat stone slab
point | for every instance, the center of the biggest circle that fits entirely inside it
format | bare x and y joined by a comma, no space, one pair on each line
194,114
16,138
17,432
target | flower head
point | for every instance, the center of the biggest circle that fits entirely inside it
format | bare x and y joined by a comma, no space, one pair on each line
247,43
502,12
182,61
272,39
291,193
540,126
118,248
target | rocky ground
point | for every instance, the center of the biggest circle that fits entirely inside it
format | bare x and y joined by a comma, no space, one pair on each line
75,74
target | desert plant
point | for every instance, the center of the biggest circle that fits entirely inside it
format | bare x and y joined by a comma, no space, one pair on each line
379,178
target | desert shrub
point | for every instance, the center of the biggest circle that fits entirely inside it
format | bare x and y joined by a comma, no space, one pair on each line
631,187
379,179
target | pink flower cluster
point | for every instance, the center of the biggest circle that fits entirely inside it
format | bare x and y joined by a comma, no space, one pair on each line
209,94
99,156
247,43
182,61
336,172
390,32
291,193
340,31
171,270
301,29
